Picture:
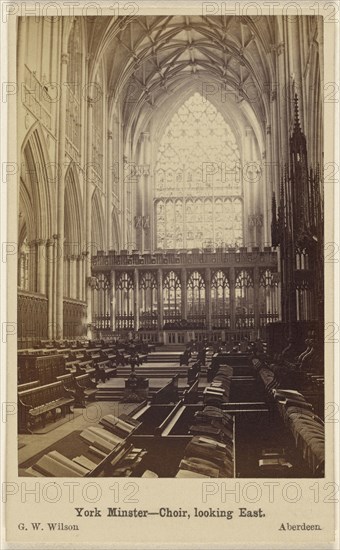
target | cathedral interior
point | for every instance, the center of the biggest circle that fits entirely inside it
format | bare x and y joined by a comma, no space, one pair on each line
170,246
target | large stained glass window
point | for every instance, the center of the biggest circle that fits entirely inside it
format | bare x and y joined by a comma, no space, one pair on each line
198,191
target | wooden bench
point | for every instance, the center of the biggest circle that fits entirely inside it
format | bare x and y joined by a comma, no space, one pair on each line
88,389
122,359
71,366
190,395
85,367
82,388
38,402
169,392
28,385
193,371
45,368
106,366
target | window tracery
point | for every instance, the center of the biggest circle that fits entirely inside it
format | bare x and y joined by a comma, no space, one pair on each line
198,191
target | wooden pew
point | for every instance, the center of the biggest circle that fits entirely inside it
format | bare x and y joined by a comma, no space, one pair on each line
28,385
242,361
71,366
82,388
88,388
108,369
85,367
190,394
38,402
171,419
45,368
193,371
169,392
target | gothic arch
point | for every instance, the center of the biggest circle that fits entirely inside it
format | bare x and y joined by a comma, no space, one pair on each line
190,202
36,195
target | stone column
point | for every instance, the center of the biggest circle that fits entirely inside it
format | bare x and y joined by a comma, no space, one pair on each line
41,264
256,298
208,313
56,253
184,293
66,286
232,297
20,280
79,277
73,277
88,209
60,195
140,198
160,303
32,271
49,258
83,276
113,301
136,298
147,193
109,183
248,231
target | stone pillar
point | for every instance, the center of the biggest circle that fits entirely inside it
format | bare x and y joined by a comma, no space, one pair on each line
79,277
148,194
73,277
88,209
56,253
140,198
160,303
136,298
83,275
256,298
208,313
66,286
113,301
90,287
248,231
32,271
21,279
50,263
109,185
41,264
232,297
60,195
184,293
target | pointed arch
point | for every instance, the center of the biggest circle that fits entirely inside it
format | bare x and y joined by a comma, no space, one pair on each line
36,181
36,212
198,159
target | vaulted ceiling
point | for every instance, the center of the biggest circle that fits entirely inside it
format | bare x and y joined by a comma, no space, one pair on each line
148,58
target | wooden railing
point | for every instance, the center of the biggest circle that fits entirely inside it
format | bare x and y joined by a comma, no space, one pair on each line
148,320
245,320
125,321
102,322
266,318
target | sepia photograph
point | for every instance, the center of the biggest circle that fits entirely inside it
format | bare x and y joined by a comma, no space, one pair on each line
170,268
170,247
